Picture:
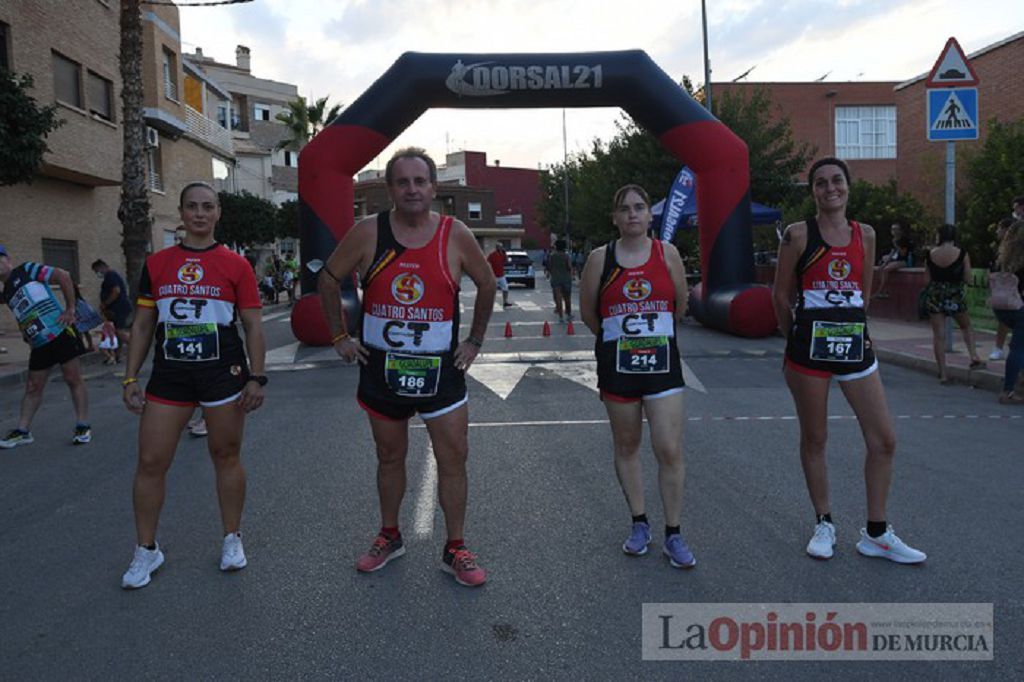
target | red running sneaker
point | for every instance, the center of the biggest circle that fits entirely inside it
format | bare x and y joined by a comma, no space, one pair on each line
383,550
461,563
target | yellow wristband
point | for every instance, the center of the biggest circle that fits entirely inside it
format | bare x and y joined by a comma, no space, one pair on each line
340,336
129,380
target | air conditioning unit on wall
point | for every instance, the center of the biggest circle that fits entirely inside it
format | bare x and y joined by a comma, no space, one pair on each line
152,138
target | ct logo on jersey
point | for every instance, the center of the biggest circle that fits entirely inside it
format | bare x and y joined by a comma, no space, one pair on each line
407,288
190,273
636,289
839,268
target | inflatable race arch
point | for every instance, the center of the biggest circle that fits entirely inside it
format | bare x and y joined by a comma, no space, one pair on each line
727,299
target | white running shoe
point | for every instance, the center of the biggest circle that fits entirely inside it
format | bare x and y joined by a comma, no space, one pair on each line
996,354
144,564
232,556
823,541
889,546
197,427
16,438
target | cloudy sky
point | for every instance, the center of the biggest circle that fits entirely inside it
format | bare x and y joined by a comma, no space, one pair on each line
338,48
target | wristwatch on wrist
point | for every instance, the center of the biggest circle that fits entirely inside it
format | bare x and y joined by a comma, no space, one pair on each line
260,379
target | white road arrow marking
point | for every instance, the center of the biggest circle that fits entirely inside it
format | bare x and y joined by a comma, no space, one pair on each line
500,377
692,382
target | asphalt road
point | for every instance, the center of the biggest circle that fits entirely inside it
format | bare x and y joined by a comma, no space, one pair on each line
546,518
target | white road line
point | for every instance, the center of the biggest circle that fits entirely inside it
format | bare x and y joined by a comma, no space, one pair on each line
423,517
274,316
283,355
719,418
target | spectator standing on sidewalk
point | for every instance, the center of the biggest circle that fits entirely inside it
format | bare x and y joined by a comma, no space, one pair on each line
1002,331
114,303
945,294
50,330
496,259
559,271
1011,259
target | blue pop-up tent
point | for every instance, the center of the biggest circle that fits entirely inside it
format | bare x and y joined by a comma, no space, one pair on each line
760,214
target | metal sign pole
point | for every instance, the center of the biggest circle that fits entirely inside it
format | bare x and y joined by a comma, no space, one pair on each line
950,216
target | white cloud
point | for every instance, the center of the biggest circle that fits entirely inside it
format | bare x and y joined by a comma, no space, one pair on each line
340,47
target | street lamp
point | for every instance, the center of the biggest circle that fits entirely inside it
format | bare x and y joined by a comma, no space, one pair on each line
707,61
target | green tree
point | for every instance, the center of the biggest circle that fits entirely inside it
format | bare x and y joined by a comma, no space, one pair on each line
24,126
246,219
878,206
995,177
775,157
304,121
288,220
633,155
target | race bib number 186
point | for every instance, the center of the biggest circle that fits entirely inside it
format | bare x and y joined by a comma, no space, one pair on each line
413,376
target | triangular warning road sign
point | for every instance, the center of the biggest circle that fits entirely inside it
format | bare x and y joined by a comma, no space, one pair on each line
953,115
951,68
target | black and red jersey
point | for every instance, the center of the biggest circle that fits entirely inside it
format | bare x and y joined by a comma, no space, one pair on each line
636,350
410,301
831,277
197,293
829,334
410,321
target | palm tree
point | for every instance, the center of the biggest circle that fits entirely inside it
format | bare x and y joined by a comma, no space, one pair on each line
133,211
304,121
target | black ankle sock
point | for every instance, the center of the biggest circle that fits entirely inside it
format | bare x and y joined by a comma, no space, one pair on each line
150,547
642,518
824,517
671,530
876,528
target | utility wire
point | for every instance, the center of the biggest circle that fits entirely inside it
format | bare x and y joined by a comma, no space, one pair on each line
185,3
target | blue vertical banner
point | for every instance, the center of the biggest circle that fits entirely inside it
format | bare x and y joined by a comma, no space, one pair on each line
681,200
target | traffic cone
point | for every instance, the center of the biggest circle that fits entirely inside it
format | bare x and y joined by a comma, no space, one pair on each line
508,330
547,329
569,331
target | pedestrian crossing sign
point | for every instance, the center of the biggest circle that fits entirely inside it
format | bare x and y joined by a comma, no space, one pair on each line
952,114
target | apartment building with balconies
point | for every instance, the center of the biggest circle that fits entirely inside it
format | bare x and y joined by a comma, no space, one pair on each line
186,137
262,169
67,216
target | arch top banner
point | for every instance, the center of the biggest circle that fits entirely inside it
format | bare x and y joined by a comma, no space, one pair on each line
515,81
627,79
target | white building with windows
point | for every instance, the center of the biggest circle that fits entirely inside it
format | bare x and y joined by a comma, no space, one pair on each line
250,111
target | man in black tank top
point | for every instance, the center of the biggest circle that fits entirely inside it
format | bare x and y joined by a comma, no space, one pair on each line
411,178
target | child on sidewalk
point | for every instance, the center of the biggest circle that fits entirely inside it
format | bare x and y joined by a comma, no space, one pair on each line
108,343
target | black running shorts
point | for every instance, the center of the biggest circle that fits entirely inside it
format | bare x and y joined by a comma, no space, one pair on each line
209,387
66,347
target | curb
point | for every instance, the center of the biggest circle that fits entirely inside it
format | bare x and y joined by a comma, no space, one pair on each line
980,378
20,375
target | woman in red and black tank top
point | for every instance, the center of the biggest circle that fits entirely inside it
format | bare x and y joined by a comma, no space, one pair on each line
632,293
826,264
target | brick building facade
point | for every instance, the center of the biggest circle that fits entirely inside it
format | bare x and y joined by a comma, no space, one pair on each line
516,191
812,110
68,215
823,113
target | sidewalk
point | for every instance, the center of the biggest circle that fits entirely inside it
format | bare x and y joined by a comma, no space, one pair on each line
908,344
